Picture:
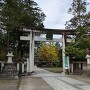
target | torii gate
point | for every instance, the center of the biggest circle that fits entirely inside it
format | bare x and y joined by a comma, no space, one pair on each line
31,38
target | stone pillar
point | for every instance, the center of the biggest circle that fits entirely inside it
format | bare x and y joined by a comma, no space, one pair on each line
63,50
17,66
2,65
30,54
33,34
72,67
22,67
28,67
80,66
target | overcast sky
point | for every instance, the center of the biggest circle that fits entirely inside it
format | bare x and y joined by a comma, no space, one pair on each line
56,12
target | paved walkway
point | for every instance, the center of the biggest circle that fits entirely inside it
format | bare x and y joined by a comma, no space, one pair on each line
34,83
54,82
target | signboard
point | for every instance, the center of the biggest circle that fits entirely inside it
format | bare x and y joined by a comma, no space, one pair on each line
66,62
49,36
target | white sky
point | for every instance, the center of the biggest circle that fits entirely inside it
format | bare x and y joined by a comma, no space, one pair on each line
56,12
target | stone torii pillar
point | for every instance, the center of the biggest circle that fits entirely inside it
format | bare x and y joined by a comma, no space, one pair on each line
65,59
63,50
31,52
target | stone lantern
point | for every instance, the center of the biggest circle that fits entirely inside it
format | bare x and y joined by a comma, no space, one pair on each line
88,58
9,71
88,61
88,64
10,55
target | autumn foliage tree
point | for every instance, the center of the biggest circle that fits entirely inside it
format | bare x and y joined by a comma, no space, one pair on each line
48,52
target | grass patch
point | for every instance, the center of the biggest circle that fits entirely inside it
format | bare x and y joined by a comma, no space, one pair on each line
54,69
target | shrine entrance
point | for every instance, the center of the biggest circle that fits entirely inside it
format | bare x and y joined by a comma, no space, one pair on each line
32,38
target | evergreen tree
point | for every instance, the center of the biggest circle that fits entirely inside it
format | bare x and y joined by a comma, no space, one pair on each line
80,22
15,14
